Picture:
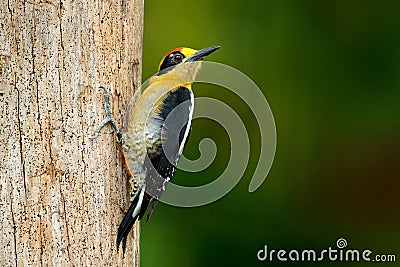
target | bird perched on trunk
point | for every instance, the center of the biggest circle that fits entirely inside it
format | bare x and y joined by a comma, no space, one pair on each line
156,131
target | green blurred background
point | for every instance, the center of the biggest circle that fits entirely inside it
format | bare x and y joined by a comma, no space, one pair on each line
331,73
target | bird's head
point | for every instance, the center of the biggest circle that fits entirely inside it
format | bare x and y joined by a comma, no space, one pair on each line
183,55
181,64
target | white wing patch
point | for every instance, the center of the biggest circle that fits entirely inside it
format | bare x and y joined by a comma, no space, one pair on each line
187,130
139,204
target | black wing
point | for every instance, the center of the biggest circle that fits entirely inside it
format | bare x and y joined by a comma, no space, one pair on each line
176,114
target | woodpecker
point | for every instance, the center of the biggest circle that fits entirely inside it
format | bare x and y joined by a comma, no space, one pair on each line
156,131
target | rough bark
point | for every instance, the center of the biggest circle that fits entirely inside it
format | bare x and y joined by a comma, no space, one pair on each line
62,194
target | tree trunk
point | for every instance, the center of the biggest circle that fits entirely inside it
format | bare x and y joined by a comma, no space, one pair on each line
62,194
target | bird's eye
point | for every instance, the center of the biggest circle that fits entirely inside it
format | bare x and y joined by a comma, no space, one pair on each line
177,58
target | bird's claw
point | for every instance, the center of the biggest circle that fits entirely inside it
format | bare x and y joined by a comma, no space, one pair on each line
109,118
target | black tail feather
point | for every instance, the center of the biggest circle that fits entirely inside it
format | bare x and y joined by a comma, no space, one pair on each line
126,225
128,221
146,201
153,206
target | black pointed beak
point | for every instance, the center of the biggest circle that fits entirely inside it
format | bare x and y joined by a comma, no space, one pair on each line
199,55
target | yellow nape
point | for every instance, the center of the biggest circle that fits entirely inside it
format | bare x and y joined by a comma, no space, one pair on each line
187,51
